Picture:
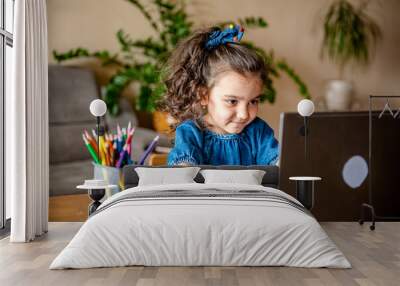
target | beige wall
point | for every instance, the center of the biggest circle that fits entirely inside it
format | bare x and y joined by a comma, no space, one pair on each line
294,33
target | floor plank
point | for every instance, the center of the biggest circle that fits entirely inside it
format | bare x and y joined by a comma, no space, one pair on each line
375,257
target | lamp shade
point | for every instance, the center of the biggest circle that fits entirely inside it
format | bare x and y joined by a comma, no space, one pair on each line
98,107
305,107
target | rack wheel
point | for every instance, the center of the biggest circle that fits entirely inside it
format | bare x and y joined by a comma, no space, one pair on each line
361,222
372,227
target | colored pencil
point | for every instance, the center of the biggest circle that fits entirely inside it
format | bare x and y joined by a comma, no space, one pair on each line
129,128
103,152
149,150
90,149
129,143
129,149
115,154
94,134
124,136
121,157
110,149
91,141
106,151
119,136
125,149
119,131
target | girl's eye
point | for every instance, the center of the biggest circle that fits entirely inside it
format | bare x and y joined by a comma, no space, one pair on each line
255,101
231,101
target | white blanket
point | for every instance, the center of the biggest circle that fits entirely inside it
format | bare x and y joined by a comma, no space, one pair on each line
205,230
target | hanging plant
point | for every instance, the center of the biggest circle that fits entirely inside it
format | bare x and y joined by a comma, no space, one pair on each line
350,35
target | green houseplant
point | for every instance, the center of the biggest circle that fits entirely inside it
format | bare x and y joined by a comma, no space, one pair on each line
141,61
350,36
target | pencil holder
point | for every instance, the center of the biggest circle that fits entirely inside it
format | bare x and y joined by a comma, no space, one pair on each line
112,175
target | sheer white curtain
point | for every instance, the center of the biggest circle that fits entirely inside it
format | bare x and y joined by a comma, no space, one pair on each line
27,124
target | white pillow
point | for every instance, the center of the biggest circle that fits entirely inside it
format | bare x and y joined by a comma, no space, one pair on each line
249,177
164,176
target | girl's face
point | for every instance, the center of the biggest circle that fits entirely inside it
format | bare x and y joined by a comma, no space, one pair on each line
232,103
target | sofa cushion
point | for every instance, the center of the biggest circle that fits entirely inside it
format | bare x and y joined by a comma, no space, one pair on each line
66,142
70,92
66,176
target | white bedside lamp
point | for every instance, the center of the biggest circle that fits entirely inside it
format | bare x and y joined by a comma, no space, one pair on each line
305,185
98,108
305,108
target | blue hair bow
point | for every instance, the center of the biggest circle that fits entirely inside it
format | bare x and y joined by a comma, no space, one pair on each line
233,34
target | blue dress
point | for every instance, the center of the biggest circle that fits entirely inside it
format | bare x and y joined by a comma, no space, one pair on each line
255,145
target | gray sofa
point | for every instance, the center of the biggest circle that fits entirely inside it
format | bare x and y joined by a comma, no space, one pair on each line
70,92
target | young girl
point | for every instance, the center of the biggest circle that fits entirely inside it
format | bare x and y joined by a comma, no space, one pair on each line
214,86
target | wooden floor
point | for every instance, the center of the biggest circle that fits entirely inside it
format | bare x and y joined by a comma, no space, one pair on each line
375,257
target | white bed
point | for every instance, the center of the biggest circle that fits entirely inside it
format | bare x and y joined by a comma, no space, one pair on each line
224,225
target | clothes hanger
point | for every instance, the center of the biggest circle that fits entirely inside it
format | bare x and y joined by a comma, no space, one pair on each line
387,107
397,113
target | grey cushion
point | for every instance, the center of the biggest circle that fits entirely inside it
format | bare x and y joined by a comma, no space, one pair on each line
66,144
70,92
65,177
270,179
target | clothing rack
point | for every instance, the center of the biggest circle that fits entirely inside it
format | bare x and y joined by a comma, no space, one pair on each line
369,205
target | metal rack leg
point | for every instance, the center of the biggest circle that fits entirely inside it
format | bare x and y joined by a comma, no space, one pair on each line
362,219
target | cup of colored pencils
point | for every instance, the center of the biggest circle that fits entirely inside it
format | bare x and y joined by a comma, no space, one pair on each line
114,150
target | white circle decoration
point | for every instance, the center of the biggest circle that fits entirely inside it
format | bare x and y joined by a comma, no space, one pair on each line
355,171
305,107
98,107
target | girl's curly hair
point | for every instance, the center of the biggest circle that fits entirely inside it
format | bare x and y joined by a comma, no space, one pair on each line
192,68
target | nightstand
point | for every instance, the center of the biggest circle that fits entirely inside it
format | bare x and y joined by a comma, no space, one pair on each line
305,190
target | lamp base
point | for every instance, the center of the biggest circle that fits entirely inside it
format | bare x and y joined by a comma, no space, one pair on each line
96,195
305,187
305,193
